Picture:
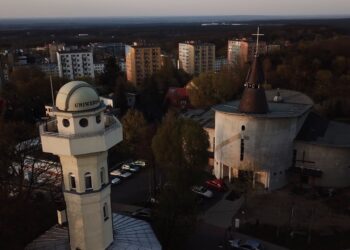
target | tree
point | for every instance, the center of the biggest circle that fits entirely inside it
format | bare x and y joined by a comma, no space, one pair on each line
20,171
212,88
180,146
137,134
180,149
28,92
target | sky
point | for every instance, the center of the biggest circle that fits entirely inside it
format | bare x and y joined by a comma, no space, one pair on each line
123,8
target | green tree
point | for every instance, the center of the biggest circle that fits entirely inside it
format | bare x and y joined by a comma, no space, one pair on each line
212,88
180,149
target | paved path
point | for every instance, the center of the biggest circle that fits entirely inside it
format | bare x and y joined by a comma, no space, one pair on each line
221,214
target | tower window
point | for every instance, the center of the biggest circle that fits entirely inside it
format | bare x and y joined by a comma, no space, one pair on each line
98,119
88,182
73,185
83,122
65,123
243,128
105,211
102,176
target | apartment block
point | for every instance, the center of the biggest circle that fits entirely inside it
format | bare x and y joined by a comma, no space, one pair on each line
196,57
75,64
141,61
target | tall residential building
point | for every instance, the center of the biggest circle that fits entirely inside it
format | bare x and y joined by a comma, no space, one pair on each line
196,57
241,51
75,64
141,62
53,49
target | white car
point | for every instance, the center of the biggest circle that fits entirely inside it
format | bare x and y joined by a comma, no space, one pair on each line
202,191
140,163
121,173
115,181
131,168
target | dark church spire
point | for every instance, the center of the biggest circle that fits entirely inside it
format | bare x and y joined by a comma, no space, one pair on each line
254,99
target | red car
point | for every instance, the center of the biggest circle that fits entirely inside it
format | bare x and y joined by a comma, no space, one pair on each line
217,184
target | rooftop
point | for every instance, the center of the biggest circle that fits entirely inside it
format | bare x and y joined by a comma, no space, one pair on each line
294,104
206,118
317,130
129,234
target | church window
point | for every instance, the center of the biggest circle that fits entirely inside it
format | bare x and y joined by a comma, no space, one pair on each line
73,185
83,122
105,211
98,119
88,182
243,128
242,150
65,123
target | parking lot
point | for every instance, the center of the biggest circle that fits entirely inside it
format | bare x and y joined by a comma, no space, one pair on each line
136,190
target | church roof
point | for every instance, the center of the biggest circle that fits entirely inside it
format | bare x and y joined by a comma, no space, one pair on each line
254,99
130,234
294,104
320,131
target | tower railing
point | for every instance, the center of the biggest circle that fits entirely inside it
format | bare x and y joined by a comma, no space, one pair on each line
50,128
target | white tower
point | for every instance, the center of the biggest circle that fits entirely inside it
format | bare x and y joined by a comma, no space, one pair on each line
80,135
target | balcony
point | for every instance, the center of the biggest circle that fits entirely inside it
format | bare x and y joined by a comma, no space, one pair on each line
63,144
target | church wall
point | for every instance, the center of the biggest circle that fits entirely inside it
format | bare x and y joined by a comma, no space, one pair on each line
268,145
334,162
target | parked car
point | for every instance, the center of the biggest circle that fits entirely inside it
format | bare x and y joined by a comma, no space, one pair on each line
202,191
115,181
131,167
216,184
140,163
246,245
121,173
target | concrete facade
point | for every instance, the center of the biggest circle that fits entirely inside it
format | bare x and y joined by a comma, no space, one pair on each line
75,64
141,61
266,150
259,145
196,57
80,134
241,51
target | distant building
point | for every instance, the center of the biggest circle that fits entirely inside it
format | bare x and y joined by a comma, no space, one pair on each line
196,57
49,69
178,98
99,68
220,63
141,62
241,51
103,51
75,64
53,49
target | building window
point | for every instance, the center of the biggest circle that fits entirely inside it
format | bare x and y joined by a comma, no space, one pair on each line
65,123
243,128
242,150
72,183
105,211
83,122
88,182
102,173
98,119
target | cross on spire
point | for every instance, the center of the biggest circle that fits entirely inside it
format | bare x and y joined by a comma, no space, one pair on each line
258,34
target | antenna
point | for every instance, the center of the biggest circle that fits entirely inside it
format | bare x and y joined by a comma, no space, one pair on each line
50,69
258,34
